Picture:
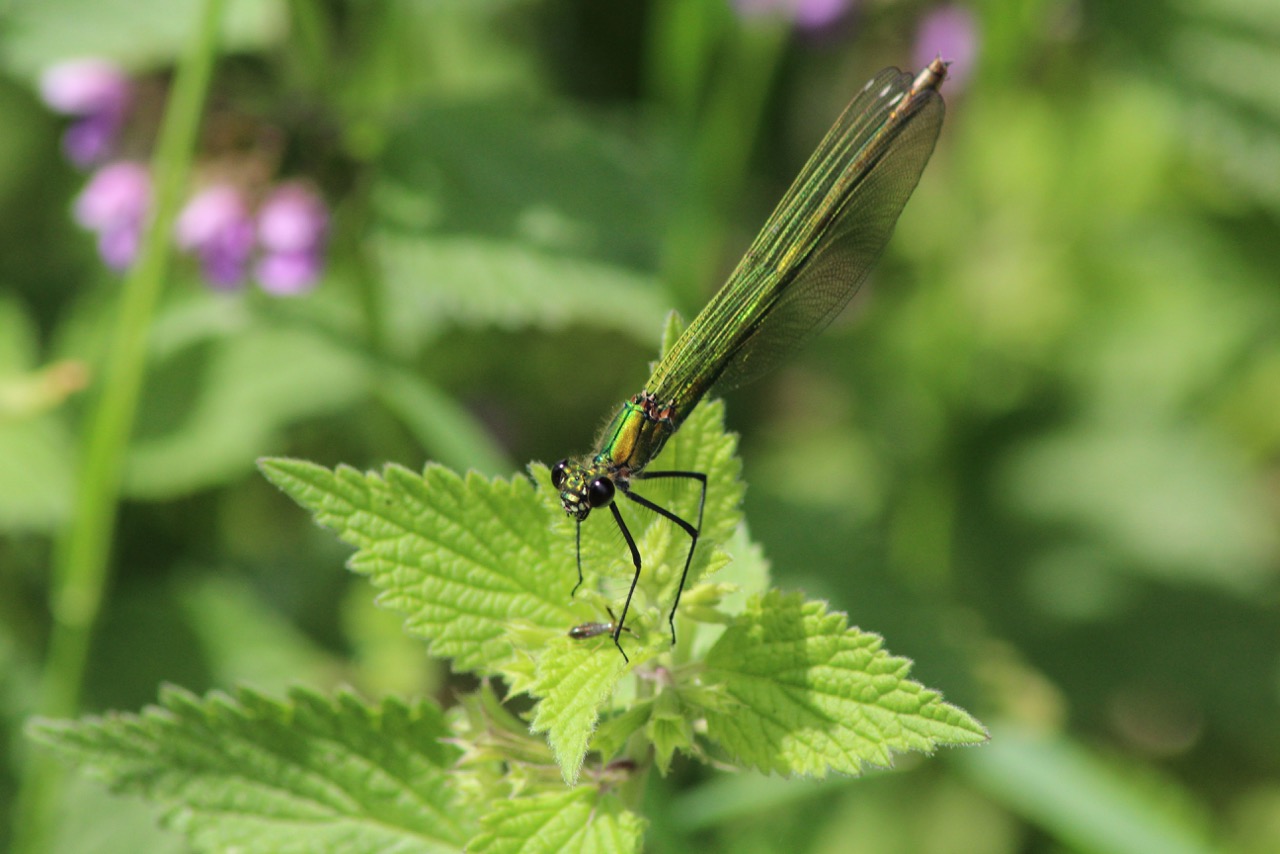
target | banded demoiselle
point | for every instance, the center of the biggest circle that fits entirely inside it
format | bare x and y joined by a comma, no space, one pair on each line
813,253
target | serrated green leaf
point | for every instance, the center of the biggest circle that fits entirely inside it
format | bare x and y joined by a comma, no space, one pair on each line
249,773
466,559
814,695
583,820
485,568
461,558
574,680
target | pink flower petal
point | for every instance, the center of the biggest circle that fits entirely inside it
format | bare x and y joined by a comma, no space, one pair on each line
292,219
117,195
86,86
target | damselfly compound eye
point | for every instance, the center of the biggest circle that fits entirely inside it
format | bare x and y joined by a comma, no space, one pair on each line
600,492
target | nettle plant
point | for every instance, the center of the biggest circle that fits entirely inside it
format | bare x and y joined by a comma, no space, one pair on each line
482,570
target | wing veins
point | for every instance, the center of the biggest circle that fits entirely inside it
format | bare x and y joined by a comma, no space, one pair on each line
817,246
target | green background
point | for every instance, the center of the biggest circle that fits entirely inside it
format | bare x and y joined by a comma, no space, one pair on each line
1038,454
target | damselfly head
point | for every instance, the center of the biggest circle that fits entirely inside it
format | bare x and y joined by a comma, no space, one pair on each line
582,488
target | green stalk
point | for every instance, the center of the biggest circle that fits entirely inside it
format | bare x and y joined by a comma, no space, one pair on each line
82,557
711,74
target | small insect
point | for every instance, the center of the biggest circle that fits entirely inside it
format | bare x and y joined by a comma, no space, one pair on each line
812,255
594,630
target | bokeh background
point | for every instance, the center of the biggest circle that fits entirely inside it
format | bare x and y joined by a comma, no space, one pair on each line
1039,453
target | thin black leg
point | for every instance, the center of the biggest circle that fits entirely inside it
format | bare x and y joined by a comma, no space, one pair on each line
691,530
578,549
635,559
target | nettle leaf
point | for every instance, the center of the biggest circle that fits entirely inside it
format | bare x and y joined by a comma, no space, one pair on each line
585,819
467,559
461,557
574,682
814,695
249,773
483,569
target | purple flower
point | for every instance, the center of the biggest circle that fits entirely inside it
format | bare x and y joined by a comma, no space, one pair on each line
952,33
217,227
225,262
83,87
91,139
98,94
288,273
293,224
114,204
119,246
116,194
807,14
292,219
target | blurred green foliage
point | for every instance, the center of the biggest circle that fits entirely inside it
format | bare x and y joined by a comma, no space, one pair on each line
1039,454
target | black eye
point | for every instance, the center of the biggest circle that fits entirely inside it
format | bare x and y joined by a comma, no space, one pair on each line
557,473
600,492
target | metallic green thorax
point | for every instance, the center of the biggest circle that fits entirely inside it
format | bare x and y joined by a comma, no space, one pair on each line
633,438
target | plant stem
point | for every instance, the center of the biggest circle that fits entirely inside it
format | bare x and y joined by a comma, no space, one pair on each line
711,74
82,556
